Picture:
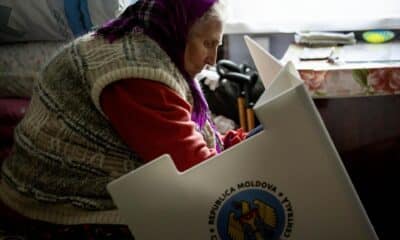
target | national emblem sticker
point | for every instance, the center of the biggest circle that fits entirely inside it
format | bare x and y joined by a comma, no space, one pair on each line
251,210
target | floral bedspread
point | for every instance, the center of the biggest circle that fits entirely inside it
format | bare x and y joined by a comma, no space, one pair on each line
347,83
352,79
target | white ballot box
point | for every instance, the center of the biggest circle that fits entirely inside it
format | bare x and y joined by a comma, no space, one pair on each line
286,182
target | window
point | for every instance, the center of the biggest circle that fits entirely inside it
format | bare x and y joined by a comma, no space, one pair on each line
265,16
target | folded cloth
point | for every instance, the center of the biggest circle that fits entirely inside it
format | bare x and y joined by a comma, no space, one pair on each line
233,137
324,38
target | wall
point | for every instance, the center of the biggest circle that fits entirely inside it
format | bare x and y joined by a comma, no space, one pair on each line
276,44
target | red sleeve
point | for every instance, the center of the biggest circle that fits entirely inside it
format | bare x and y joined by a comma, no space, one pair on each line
152,119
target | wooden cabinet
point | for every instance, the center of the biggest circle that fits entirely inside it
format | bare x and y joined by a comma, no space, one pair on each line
366,133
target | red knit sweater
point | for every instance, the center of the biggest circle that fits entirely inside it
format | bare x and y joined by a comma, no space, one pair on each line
152,119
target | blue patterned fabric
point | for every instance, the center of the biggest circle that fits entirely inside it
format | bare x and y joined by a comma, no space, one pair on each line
77,13
53,20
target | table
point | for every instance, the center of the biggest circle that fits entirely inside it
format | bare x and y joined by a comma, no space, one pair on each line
347,76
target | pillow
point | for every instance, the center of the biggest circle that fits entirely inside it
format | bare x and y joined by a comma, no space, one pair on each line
20,64
61,20
12,111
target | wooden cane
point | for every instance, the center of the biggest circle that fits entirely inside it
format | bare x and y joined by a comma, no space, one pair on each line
250,119
242,112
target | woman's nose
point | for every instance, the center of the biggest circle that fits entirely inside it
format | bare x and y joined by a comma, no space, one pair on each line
211,57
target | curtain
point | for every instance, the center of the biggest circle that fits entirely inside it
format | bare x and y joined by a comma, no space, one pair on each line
266,16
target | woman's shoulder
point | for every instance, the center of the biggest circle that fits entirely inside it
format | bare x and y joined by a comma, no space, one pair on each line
129,46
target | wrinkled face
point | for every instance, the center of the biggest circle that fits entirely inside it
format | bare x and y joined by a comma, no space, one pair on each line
202,44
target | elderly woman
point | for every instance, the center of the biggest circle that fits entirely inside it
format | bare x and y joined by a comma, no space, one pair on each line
107,103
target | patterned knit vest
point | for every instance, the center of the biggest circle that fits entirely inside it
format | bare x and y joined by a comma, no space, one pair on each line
66,151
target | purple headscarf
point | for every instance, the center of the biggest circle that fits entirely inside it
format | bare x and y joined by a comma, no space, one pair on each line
167,22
